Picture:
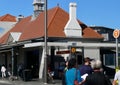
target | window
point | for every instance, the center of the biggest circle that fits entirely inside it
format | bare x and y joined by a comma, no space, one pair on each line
105,35
109,59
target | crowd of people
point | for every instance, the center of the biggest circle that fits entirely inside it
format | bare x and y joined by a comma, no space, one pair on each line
90,73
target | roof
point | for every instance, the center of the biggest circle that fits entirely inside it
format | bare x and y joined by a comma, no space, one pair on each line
57,19
8,18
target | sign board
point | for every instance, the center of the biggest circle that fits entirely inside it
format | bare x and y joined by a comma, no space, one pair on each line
73,49
63,52
116,33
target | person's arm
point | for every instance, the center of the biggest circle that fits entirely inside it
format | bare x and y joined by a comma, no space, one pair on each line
114,82
115,79
81,81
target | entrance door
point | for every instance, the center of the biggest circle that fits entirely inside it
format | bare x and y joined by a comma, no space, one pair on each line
32,62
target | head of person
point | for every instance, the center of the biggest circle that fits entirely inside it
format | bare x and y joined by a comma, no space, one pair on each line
96,65
72,63
66,63
87,61
3,65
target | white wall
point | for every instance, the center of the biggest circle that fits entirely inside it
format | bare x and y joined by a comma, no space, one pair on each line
6,26
93,53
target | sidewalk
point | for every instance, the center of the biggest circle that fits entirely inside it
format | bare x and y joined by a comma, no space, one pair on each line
32,82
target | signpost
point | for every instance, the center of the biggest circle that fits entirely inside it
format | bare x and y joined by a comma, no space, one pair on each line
73,49
116,34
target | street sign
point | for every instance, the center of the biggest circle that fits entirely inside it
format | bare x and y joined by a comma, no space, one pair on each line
116,33
73,49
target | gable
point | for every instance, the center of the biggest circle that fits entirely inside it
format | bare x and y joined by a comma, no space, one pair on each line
13,37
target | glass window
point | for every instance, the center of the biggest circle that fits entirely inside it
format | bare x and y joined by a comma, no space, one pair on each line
109,59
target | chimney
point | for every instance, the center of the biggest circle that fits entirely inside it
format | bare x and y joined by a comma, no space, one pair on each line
72,28
20,17
38,7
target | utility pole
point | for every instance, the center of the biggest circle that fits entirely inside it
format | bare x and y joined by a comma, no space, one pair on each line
45,44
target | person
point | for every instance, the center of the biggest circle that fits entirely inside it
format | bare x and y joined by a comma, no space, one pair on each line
66,67
3,71
116,78
86,68
64,72
9,70
20,70
97,77
72,73
50,76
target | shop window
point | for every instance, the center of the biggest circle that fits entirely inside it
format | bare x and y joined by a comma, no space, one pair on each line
109,59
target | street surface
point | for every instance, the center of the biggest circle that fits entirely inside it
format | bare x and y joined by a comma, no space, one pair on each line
32,82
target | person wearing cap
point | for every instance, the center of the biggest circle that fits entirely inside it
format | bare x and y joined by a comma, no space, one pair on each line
97,77
86,68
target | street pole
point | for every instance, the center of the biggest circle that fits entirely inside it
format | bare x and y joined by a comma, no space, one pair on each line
45,44
116,34
116,52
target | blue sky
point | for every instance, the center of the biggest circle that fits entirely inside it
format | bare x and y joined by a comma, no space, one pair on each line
91,12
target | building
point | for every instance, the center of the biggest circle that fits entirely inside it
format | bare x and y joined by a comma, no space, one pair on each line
6,23
24,43
106,32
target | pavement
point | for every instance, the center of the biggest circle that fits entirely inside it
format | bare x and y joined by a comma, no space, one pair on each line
31,82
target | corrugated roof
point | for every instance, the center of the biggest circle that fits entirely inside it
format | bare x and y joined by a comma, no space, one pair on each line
57,19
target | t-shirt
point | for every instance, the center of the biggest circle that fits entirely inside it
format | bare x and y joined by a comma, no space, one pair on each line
71,75
117,77
85,69
3,69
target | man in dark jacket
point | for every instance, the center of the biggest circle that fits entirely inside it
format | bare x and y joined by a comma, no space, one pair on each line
97,77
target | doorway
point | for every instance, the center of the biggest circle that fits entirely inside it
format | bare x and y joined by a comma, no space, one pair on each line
32,62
